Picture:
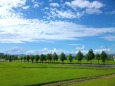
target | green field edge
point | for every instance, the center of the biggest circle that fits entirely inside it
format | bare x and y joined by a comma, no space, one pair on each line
55,83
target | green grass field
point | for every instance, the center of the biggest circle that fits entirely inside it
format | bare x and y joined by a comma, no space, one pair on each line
20,73
93,61
98,82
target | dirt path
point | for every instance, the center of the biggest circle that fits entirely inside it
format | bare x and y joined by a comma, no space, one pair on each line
74,81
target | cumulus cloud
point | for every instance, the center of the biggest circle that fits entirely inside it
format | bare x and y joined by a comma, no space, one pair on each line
91,7
102,49
38,30
36,4
84,4
64,14
46,51
54,4
25,7
7,8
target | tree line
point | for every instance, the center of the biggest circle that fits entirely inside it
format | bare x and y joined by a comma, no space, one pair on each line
54,57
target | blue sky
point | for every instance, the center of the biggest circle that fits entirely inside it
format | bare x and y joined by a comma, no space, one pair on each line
47,26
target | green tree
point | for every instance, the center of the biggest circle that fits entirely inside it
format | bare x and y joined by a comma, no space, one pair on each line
90,55
103,56
37,57
49,57
97,56
8,58
55,57
15,57
32,58
42,58
79,56
45,58
21,58
25,58
62,57
28,58
70,58
87,58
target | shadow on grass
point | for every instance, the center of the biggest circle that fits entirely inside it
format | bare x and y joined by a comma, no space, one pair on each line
52,67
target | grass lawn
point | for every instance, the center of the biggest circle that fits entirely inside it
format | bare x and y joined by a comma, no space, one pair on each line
20,73
94,61
98,82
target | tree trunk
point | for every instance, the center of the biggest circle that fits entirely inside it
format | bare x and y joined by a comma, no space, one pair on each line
91,62
98,61
80,62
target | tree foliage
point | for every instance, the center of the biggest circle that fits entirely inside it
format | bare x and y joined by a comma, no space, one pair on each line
55,57
103,56
32,58
49,57
97,56
62,57
90,55
70,58
79,56
37,57
42,57
28,58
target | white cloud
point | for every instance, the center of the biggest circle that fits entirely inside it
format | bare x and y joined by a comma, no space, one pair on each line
68,14
74,44
36,3
46,51
93,11
80,47
16,29
15,50
25,7
111,13
81,8
88,7
46,8
54,4
84,4
102,49
65,14
6,8
12,3
31,52
32,0
36,30
109,38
